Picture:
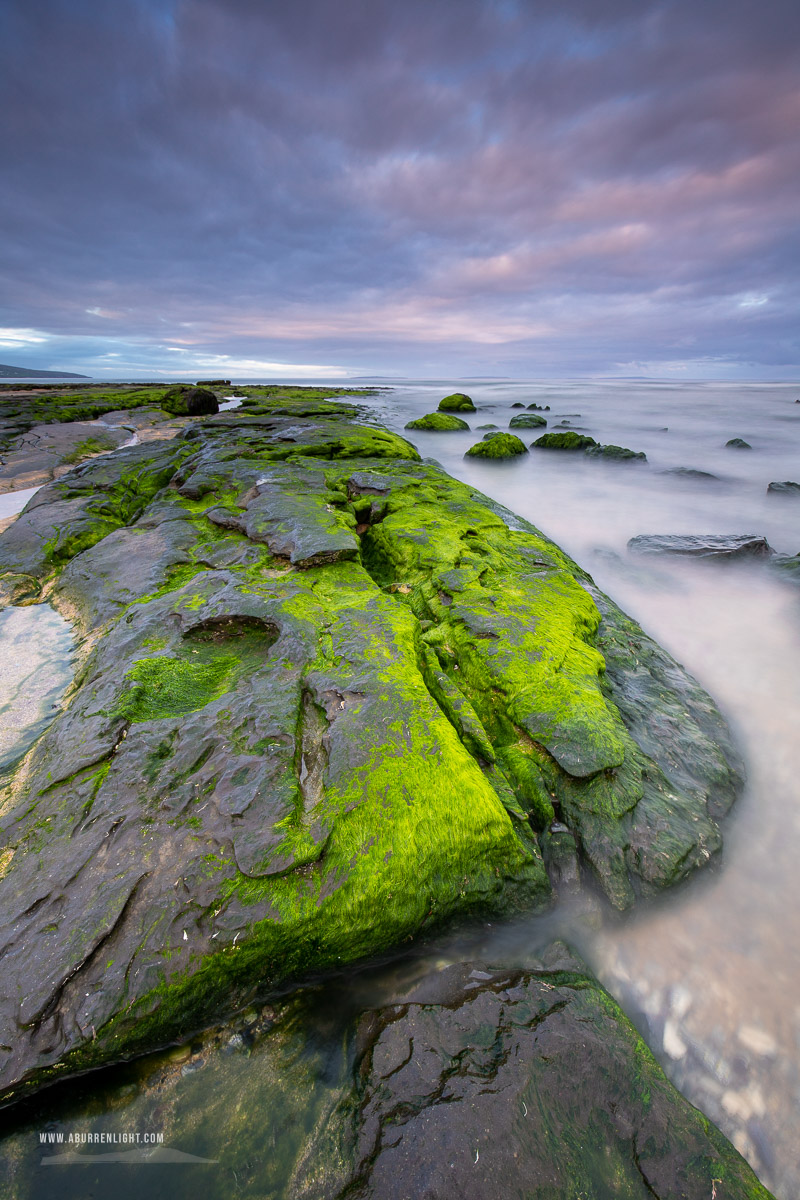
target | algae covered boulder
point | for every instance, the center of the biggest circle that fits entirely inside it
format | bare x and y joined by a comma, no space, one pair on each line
329,698
438,421
569,440
457,402
183,401
497,445
527,421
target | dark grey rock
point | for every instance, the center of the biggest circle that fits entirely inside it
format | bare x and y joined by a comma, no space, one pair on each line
787,488
709,545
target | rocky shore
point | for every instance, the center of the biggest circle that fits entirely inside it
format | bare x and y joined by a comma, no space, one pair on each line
329,698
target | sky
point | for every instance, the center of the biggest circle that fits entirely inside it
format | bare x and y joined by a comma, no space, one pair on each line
404,188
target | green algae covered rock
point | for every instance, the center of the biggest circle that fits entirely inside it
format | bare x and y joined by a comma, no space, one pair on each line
189,401
438,421
457,402
563,441
329,698
617,453
497,445
527,421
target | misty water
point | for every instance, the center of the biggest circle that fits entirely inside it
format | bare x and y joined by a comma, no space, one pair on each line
711,974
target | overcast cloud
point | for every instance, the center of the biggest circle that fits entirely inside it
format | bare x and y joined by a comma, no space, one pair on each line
452,187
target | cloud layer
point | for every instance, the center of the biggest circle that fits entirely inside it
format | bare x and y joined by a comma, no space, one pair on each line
447,187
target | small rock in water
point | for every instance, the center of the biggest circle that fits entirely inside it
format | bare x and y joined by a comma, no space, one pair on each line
708,545
757,1040
738,444
691,473
787,488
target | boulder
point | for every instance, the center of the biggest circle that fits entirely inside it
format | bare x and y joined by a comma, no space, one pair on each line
438,421
527,421
563,441
184,401
787,488
616,453
329,698
709,545
497,445
457,402
737,443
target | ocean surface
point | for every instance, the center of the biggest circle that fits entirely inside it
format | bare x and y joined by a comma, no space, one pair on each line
711,973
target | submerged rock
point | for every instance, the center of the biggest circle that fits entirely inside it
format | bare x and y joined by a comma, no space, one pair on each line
787,488
437,421
539,408
522,1083
563,441
457,402
709,545
470,1082
329,698
617,453
691,473
527,421
737,443
497,445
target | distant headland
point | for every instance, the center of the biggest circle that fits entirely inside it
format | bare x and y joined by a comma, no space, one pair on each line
7,372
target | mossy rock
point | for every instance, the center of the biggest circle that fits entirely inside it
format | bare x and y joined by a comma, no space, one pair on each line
564,441
617,453
333,698
189,401
527,421
439,421
457,402
489,426
737,443
497,445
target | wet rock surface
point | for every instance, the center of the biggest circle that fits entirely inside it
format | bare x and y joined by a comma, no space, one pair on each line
786,488
329,698
544,1056
459,1081
710,545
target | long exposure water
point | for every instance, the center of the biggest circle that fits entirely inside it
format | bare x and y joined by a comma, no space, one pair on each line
711,974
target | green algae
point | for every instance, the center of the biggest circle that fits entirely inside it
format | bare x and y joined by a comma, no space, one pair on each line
457,402
438,421
89,447
564,441
497,445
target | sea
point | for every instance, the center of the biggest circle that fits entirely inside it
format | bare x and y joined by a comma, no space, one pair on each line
710,973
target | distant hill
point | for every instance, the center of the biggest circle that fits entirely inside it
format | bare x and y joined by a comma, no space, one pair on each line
7,372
